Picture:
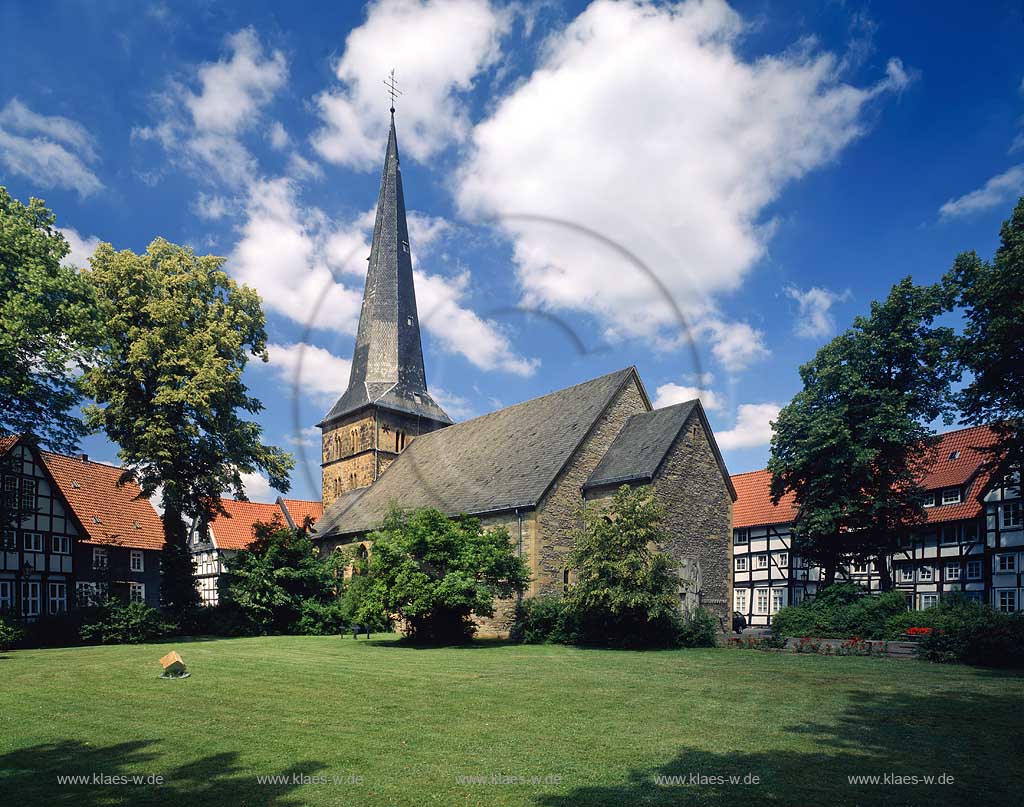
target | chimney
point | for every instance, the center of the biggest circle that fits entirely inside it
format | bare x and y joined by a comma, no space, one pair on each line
83,457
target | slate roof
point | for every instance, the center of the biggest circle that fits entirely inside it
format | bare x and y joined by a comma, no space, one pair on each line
108,513
387,364
500,461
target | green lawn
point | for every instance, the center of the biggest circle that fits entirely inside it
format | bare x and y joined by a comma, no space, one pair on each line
409,722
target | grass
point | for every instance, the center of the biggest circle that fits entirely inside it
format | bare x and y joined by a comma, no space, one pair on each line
409,721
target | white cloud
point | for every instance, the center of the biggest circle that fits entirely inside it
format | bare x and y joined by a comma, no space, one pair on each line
753,427
308,437
669,394
257,488
211,206
1000,189
82,247
457,407
278,135
676,164
814,317
50,150
202,130
321,372
437,48
301,168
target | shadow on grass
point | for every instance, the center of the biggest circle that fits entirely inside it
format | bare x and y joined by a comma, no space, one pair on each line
29,776
967,737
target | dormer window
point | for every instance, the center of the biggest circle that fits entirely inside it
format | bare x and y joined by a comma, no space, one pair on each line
954,454
96,520
928,500
405,247
951,496
409,321
75,485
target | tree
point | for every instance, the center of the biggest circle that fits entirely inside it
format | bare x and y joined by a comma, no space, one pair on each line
625,592
991,295
167,382
47,320
436,573
852,444
272,581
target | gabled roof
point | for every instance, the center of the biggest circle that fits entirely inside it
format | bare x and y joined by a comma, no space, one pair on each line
300,510
754,502
233,529
387,364
639,450
501,461
7,443
109,513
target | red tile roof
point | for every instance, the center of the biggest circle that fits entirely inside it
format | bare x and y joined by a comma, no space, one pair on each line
233,529
7,443
754,502
754,506
300,509
109,513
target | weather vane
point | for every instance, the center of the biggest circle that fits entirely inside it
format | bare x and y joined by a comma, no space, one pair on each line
393,90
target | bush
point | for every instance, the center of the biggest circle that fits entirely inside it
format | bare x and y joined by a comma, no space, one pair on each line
841,611
322,618
540,620
223,619
699,629
9,634
966,631
57,630
115,622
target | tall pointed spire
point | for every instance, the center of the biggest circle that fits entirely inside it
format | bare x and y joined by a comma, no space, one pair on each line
387,365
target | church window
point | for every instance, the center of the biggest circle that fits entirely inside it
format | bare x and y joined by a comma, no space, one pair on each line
354,435
565,581
399,441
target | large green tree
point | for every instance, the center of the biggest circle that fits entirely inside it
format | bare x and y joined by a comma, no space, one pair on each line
625,591
47,320
851,444
167,382
991,294
436,573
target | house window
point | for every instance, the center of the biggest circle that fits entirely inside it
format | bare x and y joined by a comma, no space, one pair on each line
860,568
929,601
798,596
951,496
761,600
137,592
1006,563
760,561
954,454
783,560
61,545
741,563
90,593
33,542
30,598
28,494
740,537
100,559
1011,514
928,500
778,599
907,574
974,569
976,596
739,600
949,534
926,574
10,539
58,598
137,563
908,601
1007,600
399,441
953,571
6,596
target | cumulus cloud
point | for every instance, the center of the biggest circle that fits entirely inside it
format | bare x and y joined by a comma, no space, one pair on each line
677,165
278,135
82,247
50,150
1001,189
257,488
318,371
201,129
457,407
437,48
669,394
752,429
814,317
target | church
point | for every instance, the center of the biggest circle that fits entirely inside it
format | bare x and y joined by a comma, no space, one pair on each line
530,467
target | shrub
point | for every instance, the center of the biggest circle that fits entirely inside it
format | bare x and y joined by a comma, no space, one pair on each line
322,618
739,622
115,622
970,632
56,630
540,620
699,629
9,634
840,611
223,619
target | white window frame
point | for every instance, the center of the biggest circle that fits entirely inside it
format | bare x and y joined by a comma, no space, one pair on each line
929,597
136,592
6,595
1009,596
30,597
974,564
89,592
761,561
928,500
740,537
740,600
907,573
100,558
741,563
778,601
926,573
783,560
61,544
36,539
1010,561
947,528
860,568
9,539
762,600
29,488
1012,516
136,555
951,496
952,570
57,598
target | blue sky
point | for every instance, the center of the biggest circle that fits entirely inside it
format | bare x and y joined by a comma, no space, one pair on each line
774,166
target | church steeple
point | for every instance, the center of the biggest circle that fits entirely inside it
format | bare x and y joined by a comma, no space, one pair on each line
387,382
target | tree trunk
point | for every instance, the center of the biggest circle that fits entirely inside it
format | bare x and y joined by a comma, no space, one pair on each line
830,571
177,584
884,575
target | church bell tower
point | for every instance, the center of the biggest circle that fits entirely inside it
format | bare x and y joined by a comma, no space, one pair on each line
386,404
